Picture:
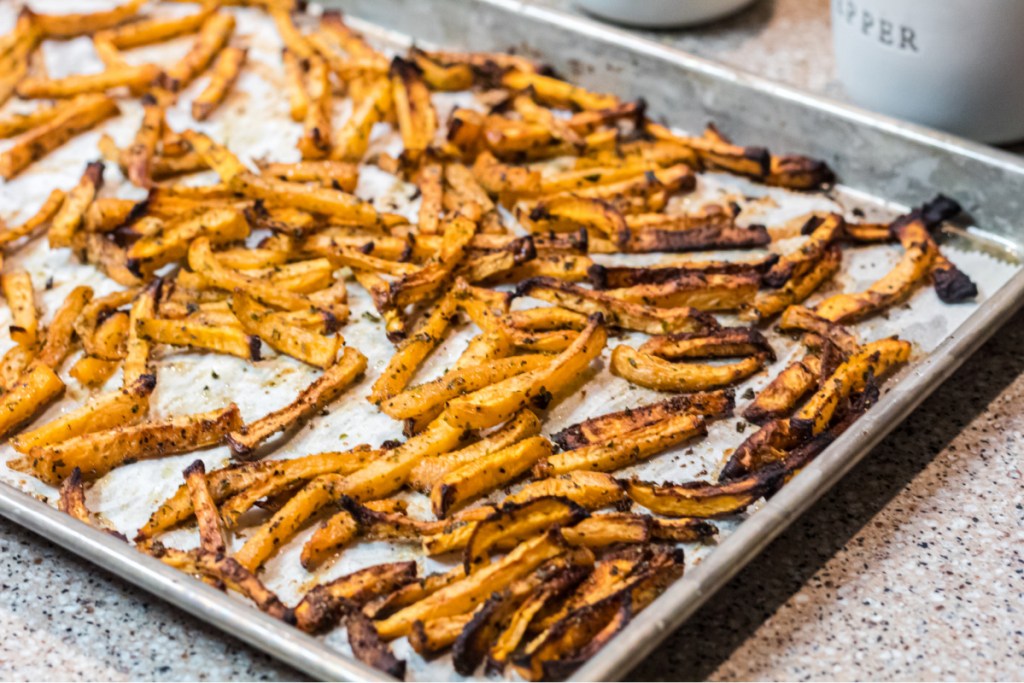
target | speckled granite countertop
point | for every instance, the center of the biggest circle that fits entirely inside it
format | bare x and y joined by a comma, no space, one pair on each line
911,568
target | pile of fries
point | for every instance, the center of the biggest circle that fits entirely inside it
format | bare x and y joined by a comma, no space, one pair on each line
520,198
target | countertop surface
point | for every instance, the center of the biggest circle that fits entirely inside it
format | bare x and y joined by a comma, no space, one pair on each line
911,568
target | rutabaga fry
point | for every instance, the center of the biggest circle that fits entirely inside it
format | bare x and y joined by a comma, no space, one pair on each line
652,372
97,453
472,480
513,523
336,378
219,339
72,86
69,218
377,480
464,595
81,115
172,242
213,36
330,537
212,535
426,397
60,332
557,93
64,26
149,31
72,498
629,448
412,352
704,500
40,219
429,470
588,489
284,474
315,142
21,301
34,389
139,156
224,74
340,175
353,137
617,312
294,74
309,347
495,404
16,124
417,119
322,606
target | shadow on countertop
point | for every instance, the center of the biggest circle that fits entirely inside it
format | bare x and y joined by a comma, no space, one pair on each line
734,614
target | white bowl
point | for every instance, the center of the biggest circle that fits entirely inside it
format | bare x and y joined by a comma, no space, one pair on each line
661,13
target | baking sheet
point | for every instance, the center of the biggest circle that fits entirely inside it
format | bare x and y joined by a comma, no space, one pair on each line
254,123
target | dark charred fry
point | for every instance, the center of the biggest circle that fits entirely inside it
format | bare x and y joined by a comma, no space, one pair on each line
728,342
325,604
704,500
368,647
951,284
513,522
211,528
644,240
598,429
614,277
617,312
72,497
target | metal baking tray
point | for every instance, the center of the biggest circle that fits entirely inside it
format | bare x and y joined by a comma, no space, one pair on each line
881,158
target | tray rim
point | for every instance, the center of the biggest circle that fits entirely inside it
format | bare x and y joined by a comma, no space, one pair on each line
647,631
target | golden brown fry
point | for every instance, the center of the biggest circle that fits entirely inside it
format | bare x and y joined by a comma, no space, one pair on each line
97,453
21,300
558,93
294,74
429,470
335,204
213,36
139,157
513,523
69,219
13,364
148,31
567,213
284,474
337,174
72,497
336,378
64,26
117,77
480,477
430,638
316,349
611,528
33,390
172,242
218,339
417,119
227,571
629,448
332,535
770,302
430,183
225,72
701,499
293,39
353,137
402,366
212,536
424,398
315,142
38,220
498,402
93,372
378,480
781,395
445,77
896,285
60,332
503,180
81,115
652,372
202,260
16,124
590,490
462,596
617,312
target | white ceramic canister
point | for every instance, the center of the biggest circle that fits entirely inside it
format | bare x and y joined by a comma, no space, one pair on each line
661,13
956,65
